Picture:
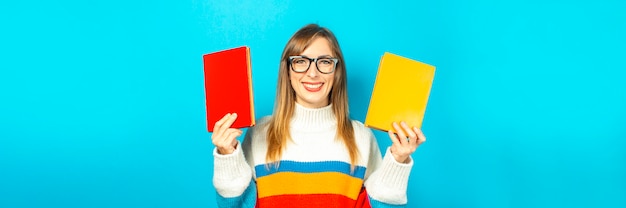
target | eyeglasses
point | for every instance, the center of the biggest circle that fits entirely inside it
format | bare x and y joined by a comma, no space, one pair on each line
325,65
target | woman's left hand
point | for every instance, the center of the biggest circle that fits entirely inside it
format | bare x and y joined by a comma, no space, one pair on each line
404,145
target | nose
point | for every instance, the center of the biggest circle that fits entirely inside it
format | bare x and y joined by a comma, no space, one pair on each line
312,72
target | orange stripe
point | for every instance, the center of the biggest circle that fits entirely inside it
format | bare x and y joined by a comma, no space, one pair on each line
285,183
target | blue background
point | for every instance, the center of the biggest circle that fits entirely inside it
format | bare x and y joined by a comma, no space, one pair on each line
102,102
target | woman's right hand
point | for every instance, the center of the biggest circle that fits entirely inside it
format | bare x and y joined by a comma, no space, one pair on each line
224,137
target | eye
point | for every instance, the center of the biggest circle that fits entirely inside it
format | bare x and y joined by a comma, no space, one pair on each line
325,61
300,61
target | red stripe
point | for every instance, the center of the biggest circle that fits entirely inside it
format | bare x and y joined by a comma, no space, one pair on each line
314,200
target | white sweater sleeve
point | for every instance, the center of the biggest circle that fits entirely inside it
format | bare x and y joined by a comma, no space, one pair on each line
388,180
232,175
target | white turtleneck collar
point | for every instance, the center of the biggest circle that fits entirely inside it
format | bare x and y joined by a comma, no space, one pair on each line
313,119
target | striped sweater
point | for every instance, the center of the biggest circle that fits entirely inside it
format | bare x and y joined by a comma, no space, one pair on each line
314,170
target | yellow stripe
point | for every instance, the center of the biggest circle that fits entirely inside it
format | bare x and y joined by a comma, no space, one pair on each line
309,183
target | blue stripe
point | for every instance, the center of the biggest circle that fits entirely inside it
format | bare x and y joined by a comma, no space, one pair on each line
379,204
245,200
310,167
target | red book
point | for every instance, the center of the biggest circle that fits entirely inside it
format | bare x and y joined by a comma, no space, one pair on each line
228,86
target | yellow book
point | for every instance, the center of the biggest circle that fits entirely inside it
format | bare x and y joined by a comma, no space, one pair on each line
400,92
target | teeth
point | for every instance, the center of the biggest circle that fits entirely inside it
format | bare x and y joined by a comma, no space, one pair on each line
313,86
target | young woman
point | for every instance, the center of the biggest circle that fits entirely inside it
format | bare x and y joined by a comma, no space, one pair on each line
309,153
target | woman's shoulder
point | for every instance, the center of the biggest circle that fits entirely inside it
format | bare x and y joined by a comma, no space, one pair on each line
360,130
257,132
359,125
262,124
264,120
365,140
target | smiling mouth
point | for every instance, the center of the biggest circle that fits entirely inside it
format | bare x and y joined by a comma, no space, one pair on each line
312,87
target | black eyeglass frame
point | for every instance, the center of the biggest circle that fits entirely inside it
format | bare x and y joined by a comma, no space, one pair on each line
311,60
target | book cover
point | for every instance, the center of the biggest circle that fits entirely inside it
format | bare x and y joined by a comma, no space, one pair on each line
400,92
228,86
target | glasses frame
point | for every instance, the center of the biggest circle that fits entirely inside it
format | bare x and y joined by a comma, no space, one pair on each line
311,60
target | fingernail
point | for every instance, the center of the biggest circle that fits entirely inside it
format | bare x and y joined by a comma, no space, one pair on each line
234,114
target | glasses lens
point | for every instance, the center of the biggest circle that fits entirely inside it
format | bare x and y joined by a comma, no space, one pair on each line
300,64
326,65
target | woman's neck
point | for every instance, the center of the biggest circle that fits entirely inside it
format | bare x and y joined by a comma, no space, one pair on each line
313,118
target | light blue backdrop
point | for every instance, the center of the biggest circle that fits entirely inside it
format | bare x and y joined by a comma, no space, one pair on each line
102,102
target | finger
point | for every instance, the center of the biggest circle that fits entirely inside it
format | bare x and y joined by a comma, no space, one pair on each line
230,121
232,131
222,120
397,150
234,142
421,138
229,135
412,134
394,138
224,142
217,129
227,123
231,139
400,133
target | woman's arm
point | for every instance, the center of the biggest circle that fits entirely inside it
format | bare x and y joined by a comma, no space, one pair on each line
387,184
232,176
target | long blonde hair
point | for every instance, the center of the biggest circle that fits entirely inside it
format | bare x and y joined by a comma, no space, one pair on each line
278,131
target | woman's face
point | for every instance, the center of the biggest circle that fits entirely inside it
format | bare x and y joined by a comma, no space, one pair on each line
312,87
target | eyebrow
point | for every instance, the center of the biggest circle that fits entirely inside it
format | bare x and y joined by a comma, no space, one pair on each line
322,56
